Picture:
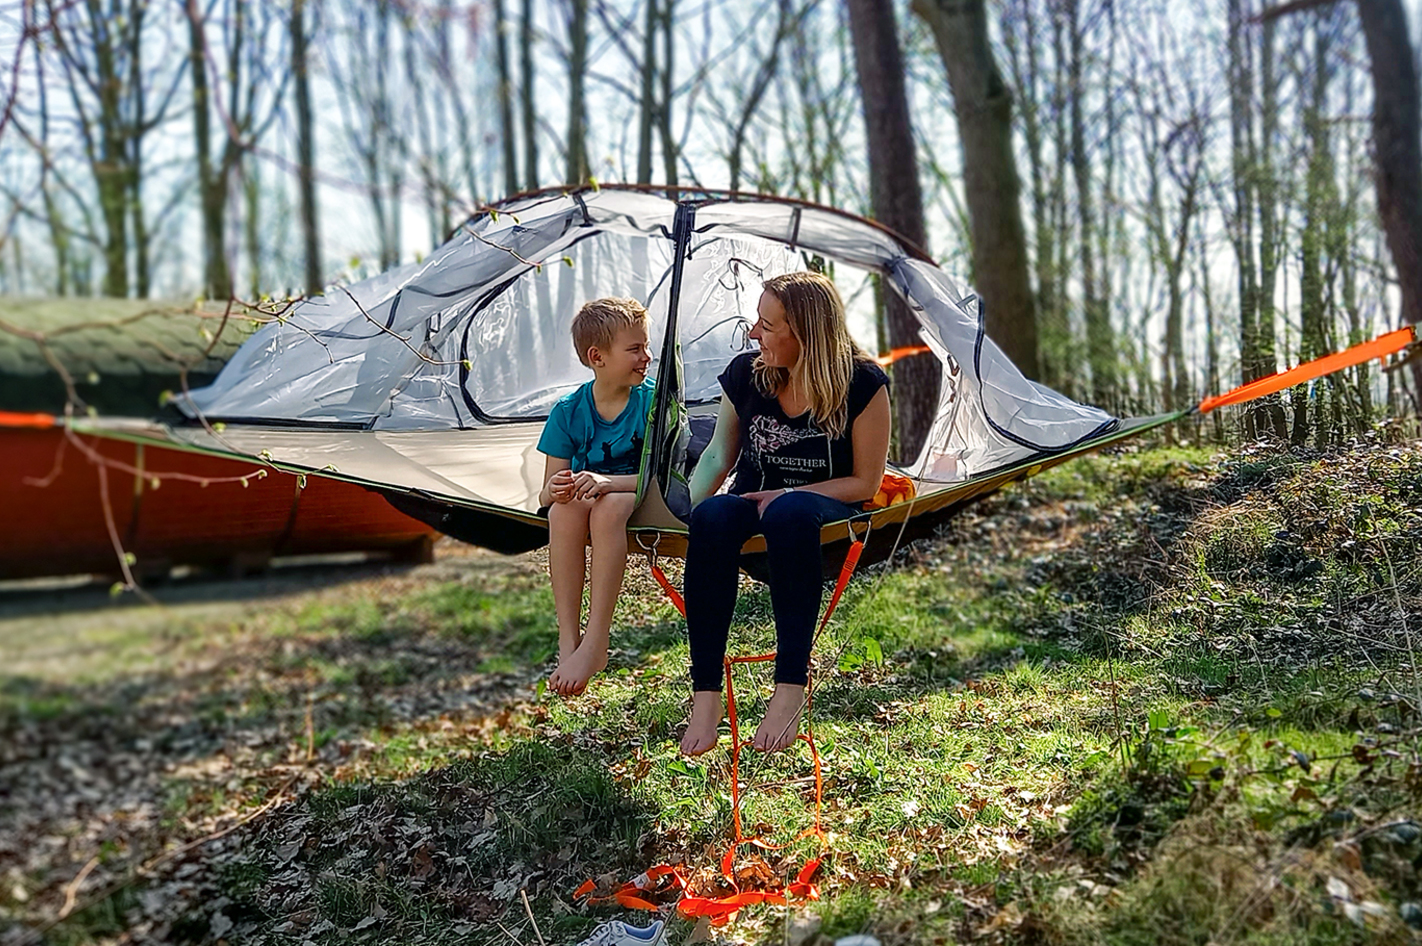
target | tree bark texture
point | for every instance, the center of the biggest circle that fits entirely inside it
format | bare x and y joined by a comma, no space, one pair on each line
506,119
898,203
983,106
1397,141
305,150
647,114
578,170
211,193
670,151
1100,343
530,106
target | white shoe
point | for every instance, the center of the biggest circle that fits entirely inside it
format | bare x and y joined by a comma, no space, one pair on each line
617,933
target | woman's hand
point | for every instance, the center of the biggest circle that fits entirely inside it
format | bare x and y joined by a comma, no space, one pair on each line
590,485
764,497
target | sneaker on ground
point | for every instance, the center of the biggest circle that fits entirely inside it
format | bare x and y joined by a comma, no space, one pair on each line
617,933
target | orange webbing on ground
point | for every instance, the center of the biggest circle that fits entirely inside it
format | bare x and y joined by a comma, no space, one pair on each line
664,878
1380,347
33,421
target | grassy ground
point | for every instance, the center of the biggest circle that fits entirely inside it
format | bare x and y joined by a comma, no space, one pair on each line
1153,697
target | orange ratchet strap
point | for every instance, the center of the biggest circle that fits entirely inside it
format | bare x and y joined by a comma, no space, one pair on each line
1380,347
642,892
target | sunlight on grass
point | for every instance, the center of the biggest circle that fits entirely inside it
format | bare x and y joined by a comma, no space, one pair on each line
1078,716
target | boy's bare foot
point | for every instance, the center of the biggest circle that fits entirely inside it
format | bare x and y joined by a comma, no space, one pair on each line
574,671
701,729
781,725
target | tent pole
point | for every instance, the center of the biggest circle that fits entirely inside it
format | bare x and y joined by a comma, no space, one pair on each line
669,380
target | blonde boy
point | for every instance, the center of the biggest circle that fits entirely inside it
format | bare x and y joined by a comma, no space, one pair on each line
593,444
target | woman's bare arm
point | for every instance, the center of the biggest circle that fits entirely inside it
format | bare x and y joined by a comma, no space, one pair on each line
720,454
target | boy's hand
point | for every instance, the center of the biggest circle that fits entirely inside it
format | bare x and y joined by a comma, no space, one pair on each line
590,485
560,486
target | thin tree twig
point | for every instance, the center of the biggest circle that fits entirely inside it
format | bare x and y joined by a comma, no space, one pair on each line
529,910
71,890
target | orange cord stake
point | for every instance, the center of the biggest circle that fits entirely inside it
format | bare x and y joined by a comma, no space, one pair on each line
1380,347
664,879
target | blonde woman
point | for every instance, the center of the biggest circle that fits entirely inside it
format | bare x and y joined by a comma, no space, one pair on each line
805,424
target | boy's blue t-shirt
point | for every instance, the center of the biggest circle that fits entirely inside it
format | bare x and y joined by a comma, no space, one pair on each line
576,432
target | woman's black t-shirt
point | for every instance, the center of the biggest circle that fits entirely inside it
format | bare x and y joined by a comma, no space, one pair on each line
778,451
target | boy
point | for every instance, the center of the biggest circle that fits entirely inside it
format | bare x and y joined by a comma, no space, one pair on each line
593,444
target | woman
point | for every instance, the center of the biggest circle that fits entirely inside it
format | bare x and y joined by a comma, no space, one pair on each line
805,423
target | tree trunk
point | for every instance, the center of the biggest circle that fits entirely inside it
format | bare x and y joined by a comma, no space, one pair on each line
1111,222
1212,348
506,120
1347,233
530,108
1312,342
1268,411
305,150
578,170
898,204
670,151
983,106
110,172
58,230
142,272
251,225
212,183
1054,336
1397,141
647,115
1072,385
1100,343
1241,88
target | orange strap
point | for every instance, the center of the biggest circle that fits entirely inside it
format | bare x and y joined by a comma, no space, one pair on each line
667,586
35,421
641,893
1380,347
895,354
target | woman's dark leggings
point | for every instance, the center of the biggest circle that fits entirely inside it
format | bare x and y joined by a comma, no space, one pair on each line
720,525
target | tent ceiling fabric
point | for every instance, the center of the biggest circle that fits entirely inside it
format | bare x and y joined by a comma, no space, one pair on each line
444,368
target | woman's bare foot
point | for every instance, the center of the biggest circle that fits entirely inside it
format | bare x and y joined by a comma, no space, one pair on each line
574,671
701,729
781,725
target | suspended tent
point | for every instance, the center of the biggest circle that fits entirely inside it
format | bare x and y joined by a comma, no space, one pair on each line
430,383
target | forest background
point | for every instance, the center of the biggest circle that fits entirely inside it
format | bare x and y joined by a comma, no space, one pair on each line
1168,199
1166,697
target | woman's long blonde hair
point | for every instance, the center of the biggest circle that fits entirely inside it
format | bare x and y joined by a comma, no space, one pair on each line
827,353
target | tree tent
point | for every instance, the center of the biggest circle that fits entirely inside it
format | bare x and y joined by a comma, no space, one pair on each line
430,383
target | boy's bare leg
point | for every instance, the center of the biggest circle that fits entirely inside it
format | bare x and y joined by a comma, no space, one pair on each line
781,725
702,729
567,570
607,524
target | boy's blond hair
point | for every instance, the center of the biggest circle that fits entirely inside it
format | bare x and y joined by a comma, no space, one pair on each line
599,321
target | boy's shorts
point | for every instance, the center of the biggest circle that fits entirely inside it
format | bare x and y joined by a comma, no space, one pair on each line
543,511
